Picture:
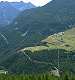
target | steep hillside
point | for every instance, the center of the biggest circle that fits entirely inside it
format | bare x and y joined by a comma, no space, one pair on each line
9,11
50,18
47,52
40,22
29,48
43,56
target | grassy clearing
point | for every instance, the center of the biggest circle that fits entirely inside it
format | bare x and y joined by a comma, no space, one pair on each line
65,41
36,48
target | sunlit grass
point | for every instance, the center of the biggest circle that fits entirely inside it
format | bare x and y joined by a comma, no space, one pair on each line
36,48
55,42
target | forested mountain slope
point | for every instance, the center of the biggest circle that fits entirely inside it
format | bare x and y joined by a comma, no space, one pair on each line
29,32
